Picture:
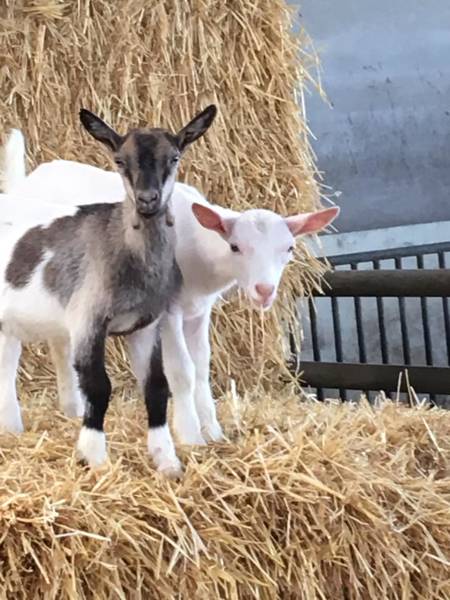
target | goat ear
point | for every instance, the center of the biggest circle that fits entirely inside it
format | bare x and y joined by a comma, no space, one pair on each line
197,127
210,219
100,130
311,222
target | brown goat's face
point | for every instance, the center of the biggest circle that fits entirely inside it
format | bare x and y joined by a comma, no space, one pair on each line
148,162
148,159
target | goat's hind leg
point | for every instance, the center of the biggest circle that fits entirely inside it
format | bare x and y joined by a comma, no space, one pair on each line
70,399
10,417
146,362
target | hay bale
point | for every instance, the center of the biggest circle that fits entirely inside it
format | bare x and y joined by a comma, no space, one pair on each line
327,501
157,62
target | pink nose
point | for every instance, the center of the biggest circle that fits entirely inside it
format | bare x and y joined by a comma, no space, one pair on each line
265,290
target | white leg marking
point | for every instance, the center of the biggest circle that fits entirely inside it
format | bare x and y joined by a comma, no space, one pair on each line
10,417
92,446
180,373
70,398
162,450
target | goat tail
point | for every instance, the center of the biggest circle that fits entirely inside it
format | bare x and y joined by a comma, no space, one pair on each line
13,163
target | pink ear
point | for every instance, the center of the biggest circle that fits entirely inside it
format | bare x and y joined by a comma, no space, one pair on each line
311,222
210,219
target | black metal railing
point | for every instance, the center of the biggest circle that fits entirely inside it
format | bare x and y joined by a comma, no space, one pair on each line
379,283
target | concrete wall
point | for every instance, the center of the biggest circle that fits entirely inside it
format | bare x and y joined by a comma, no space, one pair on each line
386,143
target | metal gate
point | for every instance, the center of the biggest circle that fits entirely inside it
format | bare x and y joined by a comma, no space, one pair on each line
350,281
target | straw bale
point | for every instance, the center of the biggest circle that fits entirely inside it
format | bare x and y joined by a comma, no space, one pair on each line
156,62
306,501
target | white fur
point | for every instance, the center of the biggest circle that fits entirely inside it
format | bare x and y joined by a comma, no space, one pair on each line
70,397
14,171
10,418
31,313
208,266
180,371
91,446
140,347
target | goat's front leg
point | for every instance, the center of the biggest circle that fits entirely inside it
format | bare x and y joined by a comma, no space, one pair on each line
69,395
180,372
196,333
10,417
96,387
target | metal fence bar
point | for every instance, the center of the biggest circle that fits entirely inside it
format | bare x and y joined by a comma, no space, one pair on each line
355,376
389,283
337,338
359,326
381,324
403,324
426,325
315,341
405,251
442,265
425,321
360,330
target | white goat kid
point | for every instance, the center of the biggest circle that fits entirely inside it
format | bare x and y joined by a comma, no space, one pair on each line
215,249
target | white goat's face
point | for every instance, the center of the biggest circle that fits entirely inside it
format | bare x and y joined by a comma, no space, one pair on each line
261,244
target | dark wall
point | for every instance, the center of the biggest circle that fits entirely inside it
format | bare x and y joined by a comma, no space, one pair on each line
386,143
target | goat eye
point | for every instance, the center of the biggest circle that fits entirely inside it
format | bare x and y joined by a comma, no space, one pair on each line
234,248
119,162
174,160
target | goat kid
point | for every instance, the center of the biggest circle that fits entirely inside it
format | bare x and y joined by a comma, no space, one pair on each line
73,275
215,248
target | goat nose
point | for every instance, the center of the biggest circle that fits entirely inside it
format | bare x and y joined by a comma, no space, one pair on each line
265,290
148,197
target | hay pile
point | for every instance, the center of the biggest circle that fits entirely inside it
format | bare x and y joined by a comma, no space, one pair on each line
308,501
157,62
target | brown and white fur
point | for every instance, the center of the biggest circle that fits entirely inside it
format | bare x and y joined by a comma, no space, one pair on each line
76,275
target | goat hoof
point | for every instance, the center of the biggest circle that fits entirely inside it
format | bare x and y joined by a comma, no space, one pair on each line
72,404
161,449
213,431
92,446
172,470
11,421
191,438
188,431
